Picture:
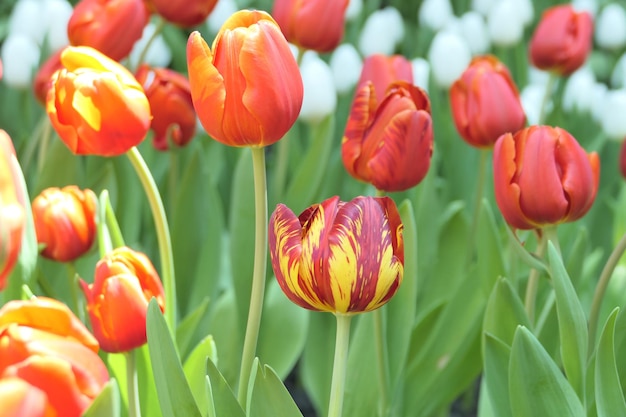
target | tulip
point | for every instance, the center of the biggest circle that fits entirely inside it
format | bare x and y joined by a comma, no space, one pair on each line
110,26
320,95
43,79
300,22
382,31
389,144
485,102
183,12
20,56
562,40
174,118
65,222
96,105
340,257
346,65
448,55
246,89
124,283
12,208
383,70
611,27
542,177
19,398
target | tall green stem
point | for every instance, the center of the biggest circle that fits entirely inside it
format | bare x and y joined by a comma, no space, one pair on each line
340,365
258,277
157,30
134,410
533,281
546,98
73,283
163,236
480,187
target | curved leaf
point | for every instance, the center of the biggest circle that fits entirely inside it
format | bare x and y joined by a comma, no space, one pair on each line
609,395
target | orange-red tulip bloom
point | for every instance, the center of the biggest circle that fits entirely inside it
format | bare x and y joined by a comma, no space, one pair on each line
43,79
12,207
542,176
169,94
96,105
562,40
389,144
183,12
65,222
19,399
340,257
382,70
110,26
485,102
312,24
247,88
124,283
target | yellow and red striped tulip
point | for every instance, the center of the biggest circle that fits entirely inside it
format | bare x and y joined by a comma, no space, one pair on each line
65,221
96,105
340,257
382,71
124,283
183,12
389,143
246,89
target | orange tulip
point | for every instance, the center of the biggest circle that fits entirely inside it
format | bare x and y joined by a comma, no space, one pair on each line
382,70
96,105
301,21
65,222
124,283
389,145
110,26
169,94
485,102
183,12
247,88
43,79
19,399
340,257
562,40
12,208
542,176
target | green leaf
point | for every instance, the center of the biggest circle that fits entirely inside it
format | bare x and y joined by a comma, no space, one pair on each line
195,371
572,323
175,395
186,329
490,259
229,343
222,401
528,258
609,395
504,313
267,396
536,384
58,155
496,374
107,403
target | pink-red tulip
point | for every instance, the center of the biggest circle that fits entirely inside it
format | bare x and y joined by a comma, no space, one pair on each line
183,12
382,70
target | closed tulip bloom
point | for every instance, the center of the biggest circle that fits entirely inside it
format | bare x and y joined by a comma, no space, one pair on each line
124,283
65,222
389,143
183,12
173,115
382,70
542,177
340,257
43,79
19,398
485,102
246,89
562,40
96,105
300,21
110,26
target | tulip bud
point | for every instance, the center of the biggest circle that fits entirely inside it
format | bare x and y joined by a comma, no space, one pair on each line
20,55
381,32
354,9
246,89
421,73
506,26
578,91
184,13
65,222
58,14
449,55
482,6
43,79
96,105
28,19
435,14
543,177
562,40
382,70
124,283
611,27
474,31
320,96
613,121
346,65
340,257
485,102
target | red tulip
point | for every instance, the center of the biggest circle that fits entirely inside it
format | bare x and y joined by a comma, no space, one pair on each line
43,79
389,144
485,102
301,21
382,70
183,12
542,177
247,88
562,40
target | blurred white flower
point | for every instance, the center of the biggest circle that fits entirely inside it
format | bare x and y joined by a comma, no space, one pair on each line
449,55
482,6
505,23
158,55
435,14
537,76
526,11
474,31
58,13
320,96
611,27
381,32
421,72
598,101
578,91
20,58
222,11
454,25
28,19
532,98
613,121
618,76
346,64
354,9
590,6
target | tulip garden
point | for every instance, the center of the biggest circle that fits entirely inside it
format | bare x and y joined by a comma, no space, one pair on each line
323,208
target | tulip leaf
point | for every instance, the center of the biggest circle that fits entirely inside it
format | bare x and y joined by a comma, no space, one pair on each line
490,259
58,155
186,329
528,258
267,394
496,374
222,401
572,323
175,396
195,371
504,313
608,390
107,403
536,384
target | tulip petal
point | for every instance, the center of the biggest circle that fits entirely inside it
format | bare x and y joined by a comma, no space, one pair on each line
19,398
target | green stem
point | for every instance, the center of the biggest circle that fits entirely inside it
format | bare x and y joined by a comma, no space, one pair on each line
382,354
27,294
134,409
157,30
340,366
104,238
258,277
532,285
546,97
73,283
480,187
601,287
111,221
163,236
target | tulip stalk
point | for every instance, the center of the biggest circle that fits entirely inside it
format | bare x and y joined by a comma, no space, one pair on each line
547,234
480,187
73,283
340,363
552,78
134,410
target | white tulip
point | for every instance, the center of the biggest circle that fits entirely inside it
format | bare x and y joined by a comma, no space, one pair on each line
474,31
505,23
320,96
355,7
346,64
526,11
20,58
578,91
381,32
590,6
482,6
613,121
158,55
421,72
435,14
618,76
532,97
28,19
58,14
449,55
611,27
598,101
222,11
